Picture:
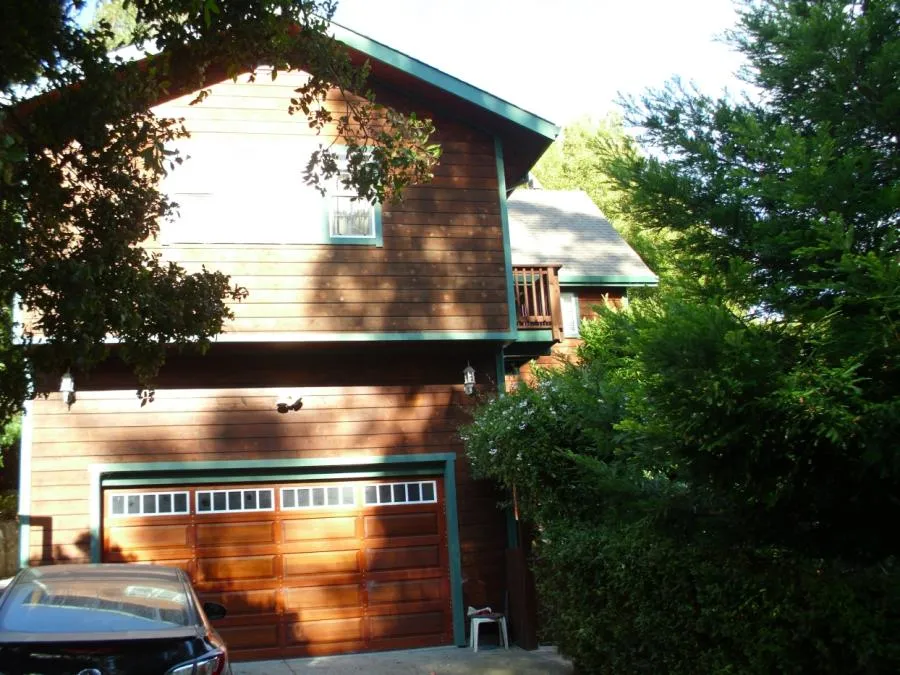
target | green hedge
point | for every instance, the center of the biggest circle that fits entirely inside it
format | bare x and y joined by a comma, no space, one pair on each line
624,599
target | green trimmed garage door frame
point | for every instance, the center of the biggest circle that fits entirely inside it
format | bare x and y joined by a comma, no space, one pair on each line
244,471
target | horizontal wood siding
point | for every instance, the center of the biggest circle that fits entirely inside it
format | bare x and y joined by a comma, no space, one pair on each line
388,400
441,267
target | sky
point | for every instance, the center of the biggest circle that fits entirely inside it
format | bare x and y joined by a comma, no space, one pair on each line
560,59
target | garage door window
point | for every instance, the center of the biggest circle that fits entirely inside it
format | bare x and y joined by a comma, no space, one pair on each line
317,497
234,501
149,504
401,493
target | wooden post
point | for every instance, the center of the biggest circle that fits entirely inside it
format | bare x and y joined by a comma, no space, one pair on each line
556,323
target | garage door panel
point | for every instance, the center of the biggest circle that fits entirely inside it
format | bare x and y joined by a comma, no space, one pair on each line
177,557
403,542
404,625
306,529
242,637
250,567
320,546
331,630
235,534
239,603
425,607
298,578
296,564
396,592
237,551
413,557
234,585
392,524
343,595
148,536
325,613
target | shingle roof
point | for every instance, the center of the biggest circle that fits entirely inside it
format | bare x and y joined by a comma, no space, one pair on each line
565,227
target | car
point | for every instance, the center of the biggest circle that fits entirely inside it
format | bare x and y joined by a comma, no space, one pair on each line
108,619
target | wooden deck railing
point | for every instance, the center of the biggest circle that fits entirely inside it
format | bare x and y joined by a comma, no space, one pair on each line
537,298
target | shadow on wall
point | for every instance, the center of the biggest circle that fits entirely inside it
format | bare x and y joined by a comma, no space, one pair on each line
55,554
384,399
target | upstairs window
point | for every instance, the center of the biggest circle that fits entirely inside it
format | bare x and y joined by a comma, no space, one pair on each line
249,190
570,315
350,219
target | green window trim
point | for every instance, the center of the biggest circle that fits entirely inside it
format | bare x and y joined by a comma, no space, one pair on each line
377,240
182,473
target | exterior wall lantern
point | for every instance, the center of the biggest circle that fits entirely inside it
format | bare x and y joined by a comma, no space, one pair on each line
289,401
67,388
469,379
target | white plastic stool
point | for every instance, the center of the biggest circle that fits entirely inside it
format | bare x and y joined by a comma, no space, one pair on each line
477,620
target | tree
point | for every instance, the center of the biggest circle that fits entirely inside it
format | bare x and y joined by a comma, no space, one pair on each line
81,157
121,18
721,471
578,161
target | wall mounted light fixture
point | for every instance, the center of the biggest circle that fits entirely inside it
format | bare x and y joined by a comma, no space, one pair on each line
289,401
67,388
469,379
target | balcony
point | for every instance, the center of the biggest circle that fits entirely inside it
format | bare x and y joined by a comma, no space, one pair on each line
537,299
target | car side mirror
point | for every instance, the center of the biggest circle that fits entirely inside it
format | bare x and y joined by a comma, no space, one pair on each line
214,611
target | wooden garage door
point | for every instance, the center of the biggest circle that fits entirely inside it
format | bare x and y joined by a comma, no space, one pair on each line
305,568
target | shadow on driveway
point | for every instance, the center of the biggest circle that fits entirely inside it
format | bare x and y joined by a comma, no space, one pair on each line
434,661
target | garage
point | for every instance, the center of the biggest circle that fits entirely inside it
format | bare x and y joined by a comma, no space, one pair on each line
304,568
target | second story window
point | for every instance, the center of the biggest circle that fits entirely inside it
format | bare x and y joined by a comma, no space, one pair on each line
350,220
249,190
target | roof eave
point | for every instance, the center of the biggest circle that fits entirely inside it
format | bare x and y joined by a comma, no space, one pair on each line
525,136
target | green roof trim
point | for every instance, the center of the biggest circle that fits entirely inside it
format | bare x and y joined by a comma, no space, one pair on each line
507,242
607,280
535,336
442,80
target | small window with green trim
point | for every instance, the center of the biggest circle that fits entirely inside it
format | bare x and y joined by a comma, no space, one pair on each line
349,219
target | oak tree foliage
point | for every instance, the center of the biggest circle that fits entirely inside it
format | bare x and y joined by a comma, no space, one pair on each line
81,157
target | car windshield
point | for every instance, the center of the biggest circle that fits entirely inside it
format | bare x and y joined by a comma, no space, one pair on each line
96,605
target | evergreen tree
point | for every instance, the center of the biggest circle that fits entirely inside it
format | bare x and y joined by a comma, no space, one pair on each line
716,483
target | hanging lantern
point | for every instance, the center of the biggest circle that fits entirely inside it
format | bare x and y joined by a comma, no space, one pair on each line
67,388
469,379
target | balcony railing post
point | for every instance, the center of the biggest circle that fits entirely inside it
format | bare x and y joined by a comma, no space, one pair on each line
556,320
537,299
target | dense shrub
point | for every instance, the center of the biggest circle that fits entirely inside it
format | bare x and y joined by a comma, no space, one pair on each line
715,488
625,598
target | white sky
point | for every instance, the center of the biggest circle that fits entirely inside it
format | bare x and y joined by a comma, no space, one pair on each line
558,58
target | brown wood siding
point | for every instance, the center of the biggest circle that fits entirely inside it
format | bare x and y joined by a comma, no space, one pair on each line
441,267
361,400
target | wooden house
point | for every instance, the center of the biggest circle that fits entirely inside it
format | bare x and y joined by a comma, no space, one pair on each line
567,260
307,471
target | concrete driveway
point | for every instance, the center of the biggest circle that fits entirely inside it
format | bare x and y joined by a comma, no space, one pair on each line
435,661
